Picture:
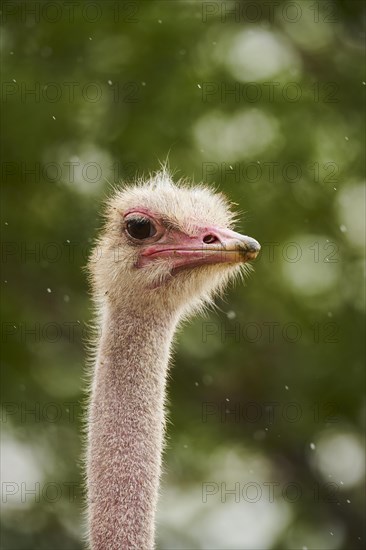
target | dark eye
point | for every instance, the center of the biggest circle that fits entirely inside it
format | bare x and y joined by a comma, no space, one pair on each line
140,229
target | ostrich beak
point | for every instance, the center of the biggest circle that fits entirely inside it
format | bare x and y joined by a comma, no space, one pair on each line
210,245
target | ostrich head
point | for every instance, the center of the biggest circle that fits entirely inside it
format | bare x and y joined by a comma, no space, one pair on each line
168,245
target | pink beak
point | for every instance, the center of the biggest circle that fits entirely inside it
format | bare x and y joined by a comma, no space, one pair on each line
211,245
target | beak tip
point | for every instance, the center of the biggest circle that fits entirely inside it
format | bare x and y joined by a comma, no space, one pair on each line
250,249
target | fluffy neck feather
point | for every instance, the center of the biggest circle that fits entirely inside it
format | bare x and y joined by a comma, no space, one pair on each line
126,427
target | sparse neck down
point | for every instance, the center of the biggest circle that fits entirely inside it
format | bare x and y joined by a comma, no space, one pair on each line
126,428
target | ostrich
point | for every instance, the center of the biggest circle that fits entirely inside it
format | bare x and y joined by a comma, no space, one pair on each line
165,250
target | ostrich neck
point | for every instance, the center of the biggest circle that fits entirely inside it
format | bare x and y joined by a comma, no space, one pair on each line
126,420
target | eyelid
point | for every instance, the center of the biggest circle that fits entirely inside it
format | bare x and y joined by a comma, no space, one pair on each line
138,217
160,226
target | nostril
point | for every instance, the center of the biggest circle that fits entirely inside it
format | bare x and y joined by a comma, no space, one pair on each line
209,239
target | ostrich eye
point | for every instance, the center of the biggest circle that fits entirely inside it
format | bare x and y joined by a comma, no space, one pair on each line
140,229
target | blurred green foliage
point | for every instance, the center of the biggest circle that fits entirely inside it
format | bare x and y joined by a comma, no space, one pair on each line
265,102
